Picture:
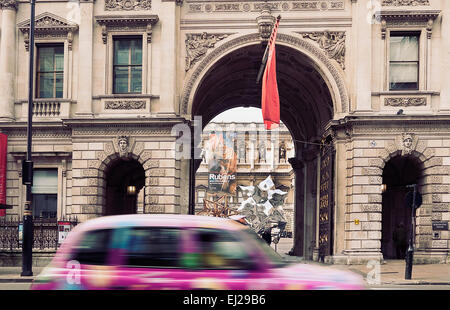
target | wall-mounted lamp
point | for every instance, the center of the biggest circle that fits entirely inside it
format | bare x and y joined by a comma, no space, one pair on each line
383,188
131,190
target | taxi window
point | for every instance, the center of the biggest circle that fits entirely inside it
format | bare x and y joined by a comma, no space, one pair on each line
93,247
152,247
220,249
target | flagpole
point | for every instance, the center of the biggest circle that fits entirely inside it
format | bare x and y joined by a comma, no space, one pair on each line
266,55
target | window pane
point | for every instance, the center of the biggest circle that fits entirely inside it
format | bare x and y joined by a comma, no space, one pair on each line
121,79
45,181
136,80
153,247
136,52
404,75
59,82
45,86
404,48
44,205
121,52
221,250
93,248
46,59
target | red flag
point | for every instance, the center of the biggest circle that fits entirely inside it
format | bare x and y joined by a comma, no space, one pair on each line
270,101
3,151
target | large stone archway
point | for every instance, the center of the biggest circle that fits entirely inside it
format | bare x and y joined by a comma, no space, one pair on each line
312,93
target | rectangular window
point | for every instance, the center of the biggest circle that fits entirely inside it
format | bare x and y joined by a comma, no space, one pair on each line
220,249
45,193
50,71
127,68
404,61
153,247
93,248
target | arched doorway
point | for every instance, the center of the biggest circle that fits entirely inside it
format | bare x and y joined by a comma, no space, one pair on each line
124,180
398,172
306,107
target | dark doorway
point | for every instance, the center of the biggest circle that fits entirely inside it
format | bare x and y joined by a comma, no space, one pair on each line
124,179
396,215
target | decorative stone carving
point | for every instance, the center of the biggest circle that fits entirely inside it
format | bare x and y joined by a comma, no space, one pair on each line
331,42
123,145
127,5
198,44
405,102
404,2
407,145
48,25
8,4
265,22
141,23
125,104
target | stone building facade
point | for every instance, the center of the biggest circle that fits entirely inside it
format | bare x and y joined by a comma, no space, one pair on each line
354,76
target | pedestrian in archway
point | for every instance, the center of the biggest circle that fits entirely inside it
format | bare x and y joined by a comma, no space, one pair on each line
399,238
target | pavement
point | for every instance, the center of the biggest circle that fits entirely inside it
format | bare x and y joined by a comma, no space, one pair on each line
390,272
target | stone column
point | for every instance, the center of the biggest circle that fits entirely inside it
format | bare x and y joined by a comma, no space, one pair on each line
362,49
85,46
7,59
299,171
168,89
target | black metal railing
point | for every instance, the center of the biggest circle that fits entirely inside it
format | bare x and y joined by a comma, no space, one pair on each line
45,233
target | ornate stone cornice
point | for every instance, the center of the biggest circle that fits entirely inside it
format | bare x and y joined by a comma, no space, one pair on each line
403,18
49,25
8,4
331,42
125,23
405,2
127,5
197,44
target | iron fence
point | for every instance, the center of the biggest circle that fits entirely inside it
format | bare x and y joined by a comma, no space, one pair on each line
45,233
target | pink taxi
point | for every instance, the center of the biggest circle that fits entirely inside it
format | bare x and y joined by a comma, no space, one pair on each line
178,252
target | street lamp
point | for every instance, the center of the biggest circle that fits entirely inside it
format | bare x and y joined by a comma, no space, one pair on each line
27,165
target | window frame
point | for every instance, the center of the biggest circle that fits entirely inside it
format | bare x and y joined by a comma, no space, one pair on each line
113,64
404,33
57,192
37,72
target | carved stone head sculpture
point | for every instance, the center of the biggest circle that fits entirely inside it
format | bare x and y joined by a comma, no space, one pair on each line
123,144
407,143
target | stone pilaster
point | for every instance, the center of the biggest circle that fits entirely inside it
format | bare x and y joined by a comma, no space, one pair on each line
362,48
168,73
85,53
7,58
